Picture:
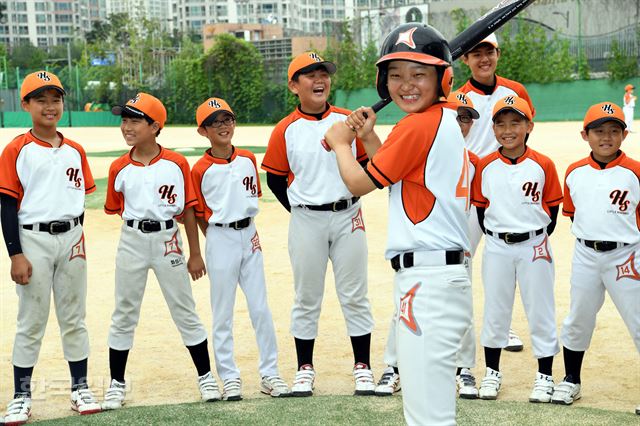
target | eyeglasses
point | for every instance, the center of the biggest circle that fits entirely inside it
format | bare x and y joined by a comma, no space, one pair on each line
464,119
227,122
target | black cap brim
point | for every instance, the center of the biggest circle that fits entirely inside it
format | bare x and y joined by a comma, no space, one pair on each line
600,121
39,90
211,117
126,110
329,66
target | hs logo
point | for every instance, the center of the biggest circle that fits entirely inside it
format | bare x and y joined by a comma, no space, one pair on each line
608,109
249,185
315,57
134,99
462,98
73,176
214,104
44,76
620,198
531,190
166,193
509,100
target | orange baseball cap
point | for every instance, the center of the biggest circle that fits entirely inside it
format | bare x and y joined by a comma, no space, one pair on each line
629,87
211,107
604,111
39,81
141,105
490,39
513,103
461,100
308,61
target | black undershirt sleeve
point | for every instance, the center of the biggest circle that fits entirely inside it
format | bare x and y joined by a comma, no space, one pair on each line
278,185
553,213
480,212
9,219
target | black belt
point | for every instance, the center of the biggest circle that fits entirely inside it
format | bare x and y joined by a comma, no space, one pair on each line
240,224
333,207
55,227
147,225
452,257
512,238
602,245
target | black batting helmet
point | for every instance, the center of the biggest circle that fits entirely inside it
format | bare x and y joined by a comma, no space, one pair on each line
420,43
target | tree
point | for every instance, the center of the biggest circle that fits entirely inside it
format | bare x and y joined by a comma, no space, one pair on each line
620,65
27,56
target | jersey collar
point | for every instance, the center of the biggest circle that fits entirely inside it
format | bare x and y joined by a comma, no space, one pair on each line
519,160
613,163
315,116
44,143
218,160
153,160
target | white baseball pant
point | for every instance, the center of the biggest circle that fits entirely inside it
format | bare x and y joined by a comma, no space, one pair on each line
628,117
58,265
235,257
530,263
592,274
314,238
162,252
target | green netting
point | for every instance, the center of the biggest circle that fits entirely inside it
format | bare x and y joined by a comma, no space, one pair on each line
553,102
78,119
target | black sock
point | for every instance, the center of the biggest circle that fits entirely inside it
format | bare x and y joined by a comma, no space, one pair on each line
78,371
200,356
545,365
361,348
22,381
304,350
492,358
572,365
118,363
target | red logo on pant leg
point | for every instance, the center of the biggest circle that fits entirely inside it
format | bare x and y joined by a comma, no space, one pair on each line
541,251
78,249
255,243
172,246
357,222
628,269
406,310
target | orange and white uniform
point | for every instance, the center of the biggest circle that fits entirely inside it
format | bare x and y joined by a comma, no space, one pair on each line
50,185
481,139
326,222
228,191
150,198
517,195
425,164
605,206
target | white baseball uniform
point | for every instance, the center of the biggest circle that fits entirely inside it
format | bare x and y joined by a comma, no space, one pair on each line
629,104
50,185
150,198
605,206
424,162
326,223
228,191
517,198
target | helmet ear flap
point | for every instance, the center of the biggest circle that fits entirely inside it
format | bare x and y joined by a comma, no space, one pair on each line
381,81
446,82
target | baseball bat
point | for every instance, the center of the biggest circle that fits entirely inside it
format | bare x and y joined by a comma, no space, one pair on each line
474,34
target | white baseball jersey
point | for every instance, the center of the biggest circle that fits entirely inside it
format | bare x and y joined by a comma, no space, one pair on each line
604,203
295,151
481,139
227,190
49,183
427,209
517,196
159,191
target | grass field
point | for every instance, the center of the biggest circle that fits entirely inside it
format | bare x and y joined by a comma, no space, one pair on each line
345,410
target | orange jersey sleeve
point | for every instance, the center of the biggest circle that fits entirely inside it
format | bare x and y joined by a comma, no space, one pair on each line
9,181
114,204
249,154
275,158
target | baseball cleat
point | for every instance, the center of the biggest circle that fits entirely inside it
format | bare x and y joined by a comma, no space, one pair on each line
514,344
490,385
542,388
209,388
363,376
232,390
466,384
18,411
389,383
303,383
83,402
114,397
565,393
274,386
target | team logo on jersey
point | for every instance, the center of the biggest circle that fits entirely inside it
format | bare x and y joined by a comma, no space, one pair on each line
541,251
406,310
166,193
357,222
531,190
173,245
509,100
255,243
628,269
619,198
74,177
249,185
43,76
407,38
608,109
77,250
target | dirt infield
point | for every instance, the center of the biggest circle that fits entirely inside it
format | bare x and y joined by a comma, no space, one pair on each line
160,369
